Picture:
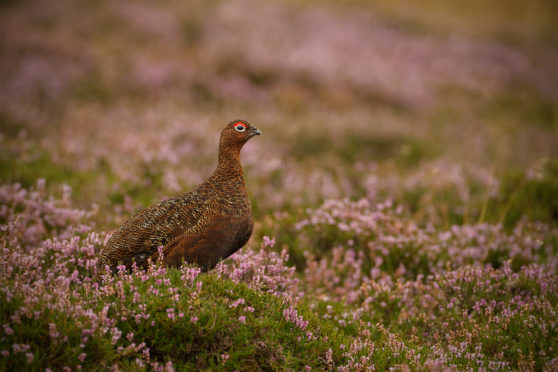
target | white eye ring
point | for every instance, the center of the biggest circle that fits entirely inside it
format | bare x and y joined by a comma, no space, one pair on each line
240,128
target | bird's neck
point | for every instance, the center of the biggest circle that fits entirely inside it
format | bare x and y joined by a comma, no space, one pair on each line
228,165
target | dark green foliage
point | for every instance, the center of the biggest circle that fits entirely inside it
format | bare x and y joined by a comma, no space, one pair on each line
534,196
354,146
38,164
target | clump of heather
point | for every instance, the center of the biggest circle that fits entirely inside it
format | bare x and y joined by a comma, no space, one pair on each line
472,317
29,216
58,313
411,296
468,296
46,244
377,290
362,238
263,270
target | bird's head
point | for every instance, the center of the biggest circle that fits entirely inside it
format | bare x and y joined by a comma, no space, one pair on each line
237,133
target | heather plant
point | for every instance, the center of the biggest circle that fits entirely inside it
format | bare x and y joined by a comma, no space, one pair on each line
263,270
380,237
377,290
475,316
52,295
459,293
28,216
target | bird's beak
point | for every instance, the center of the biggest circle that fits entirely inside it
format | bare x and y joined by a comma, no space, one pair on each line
255,132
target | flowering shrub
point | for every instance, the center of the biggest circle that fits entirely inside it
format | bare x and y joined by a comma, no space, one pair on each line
50,290
29,217
371,272
473,316
473,296
291,315
462,293
262,270
370,239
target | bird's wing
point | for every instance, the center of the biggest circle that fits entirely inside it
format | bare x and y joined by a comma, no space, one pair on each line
205,244
154,226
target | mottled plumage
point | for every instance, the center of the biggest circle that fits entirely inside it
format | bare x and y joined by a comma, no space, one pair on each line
202,226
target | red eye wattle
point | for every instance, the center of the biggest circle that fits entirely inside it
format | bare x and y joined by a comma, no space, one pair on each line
240,127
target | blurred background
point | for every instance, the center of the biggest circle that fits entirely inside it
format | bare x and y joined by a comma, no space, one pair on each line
449,108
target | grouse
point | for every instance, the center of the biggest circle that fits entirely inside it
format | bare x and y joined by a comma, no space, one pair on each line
200,227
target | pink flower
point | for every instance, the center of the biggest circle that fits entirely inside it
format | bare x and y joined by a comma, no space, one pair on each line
242,319
290,314
240,301
193,319
29,357
169,367
81,357
170,313
268,242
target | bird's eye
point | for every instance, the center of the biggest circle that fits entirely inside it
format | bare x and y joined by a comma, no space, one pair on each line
240,127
